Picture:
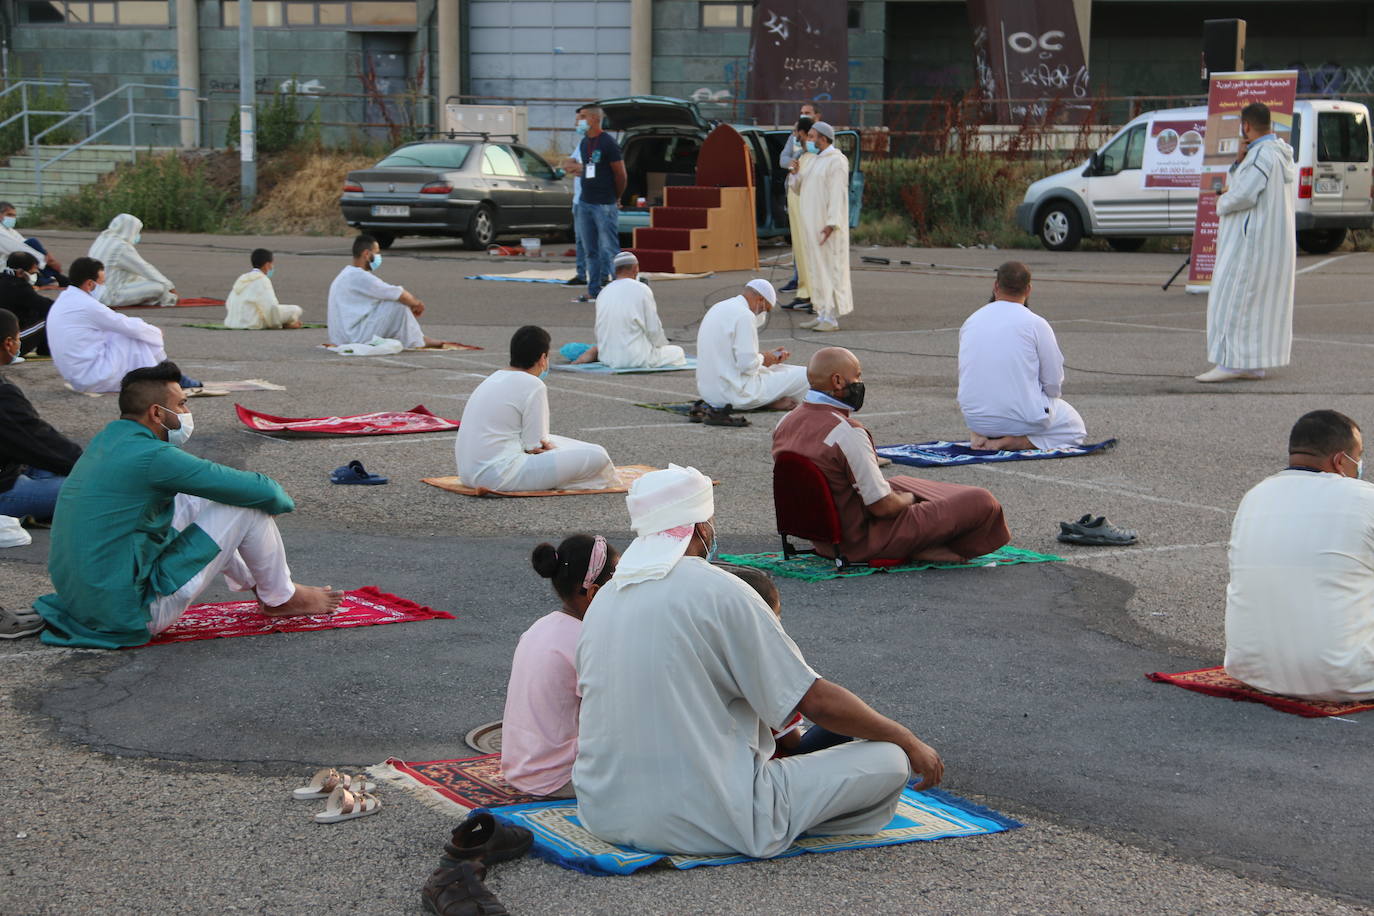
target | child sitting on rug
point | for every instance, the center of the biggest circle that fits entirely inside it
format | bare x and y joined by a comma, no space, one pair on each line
790,740
539,729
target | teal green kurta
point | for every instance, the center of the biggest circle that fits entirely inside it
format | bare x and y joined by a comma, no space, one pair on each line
113,546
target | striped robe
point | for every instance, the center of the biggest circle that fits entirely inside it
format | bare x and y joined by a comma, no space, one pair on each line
1250,304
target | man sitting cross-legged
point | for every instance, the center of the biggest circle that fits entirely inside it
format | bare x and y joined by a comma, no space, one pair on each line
1011,372
897,518
19,296
362,306
629,334
683,671
730,368
143,527
503,438
252,304
1300,604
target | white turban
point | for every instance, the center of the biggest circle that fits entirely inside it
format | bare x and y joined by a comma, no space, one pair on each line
825,130
665,506
764,289
624,259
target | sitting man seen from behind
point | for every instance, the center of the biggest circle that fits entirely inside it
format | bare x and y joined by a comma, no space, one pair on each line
252,304
684,672
363,306
12,240
132,279
730,369
143,527
629,334
897,518
17,295
1011,373
1300,604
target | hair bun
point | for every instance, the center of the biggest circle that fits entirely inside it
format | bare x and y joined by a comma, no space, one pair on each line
545,560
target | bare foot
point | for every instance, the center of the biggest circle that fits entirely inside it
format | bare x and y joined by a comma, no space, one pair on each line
782,404
308,601
433,344
291,326
588,357
978,442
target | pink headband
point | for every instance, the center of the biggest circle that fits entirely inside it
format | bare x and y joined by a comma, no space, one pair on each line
596,563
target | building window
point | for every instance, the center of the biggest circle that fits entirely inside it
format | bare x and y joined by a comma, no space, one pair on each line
721,15
856,14
338,14
131,14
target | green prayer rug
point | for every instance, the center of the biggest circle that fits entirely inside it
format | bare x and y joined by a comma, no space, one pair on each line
814,568
217,326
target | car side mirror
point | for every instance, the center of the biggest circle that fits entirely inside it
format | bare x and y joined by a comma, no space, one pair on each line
1095,163
559,173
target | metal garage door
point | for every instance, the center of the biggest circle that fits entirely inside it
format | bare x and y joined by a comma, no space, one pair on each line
577,49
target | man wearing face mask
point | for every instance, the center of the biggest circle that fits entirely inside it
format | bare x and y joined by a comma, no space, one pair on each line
573,166
18,295
143,527
824,192
92,345
252,303
684,672
363,306
730,369
11,241
132,279
1300,603
896,518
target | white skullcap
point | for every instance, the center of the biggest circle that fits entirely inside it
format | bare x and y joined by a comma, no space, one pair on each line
665,507
764,289
825,130
624,259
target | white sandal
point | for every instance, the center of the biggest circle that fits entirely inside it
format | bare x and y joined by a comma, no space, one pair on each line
344,805
324,782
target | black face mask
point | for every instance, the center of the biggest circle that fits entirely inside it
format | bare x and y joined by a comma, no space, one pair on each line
853,395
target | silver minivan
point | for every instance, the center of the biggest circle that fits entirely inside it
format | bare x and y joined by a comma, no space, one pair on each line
1104,197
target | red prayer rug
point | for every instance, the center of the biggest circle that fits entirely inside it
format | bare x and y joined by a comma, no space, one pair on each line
188,302
382,423
362,607
464,784
1216,682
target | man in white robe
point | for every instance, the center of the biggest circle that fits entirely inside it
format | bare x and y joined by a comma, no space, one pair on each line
129,279
629,334
825,215
92,346
1250,302
1011,373
11,240
252,304
362,307
1300,603
800,164
683,672
731,370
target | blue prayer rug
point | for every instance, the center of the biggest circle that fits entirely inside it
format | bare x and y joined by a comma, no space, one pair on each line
604,369
501,278
560,838
941,454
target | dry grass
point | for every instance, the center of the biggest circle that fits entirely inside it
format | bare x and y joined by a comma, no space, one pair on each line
299,193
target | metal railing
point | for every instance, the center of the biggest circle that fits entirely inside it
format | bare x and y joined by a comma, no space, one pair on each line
130,118
22,87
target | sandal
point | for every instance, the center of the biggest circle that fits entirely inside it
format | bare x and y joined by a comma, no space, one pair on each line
14,624
1096,532
724,418
344,805
697,412
355,473
324,782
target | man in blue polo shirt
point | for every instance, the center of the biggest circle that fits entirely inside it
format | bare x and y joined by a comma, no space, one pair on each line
597,212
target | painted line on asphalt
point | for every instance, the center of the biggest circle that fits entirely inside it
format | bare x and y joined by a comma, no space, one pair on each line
392,440
1131,551
1106,488
1164,327
1320,264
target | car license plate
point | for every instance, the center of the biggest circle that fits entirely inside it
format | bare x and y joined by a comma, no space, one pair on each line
381,210
1328,186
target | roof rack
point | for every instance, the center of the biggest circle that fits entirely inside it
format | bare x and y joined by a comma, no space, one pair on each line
456,134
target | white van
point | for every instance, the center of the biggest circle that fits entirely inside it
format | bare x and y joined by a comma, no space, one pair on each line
1104,197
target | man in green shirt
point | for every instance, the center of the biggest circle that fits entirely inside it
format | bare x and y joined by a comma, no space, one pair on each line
142,528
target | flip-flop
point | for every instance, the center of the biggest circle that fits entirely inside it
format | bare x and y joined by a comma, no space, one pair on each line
724,418
355,473
324,782
344,805
698,411
1095,532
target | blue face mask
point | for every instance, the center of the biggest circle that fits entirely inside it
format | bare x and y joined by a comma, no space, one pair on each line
376,263
811,147
713,549
138,238
8,222
544,375
581,126
270,272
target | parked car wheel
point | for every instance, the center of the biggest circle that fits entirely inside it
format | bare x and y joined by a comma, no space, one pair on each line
1059,227
384,239
1128,244
1320,241
481,230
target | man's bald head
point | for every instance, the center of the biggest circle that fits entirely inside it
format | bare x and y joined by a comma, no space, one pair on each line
831,369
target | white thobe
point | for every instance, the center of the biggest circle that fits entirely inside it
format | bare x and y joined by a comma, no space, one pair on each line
825,203
1250,303
1300,604
253,305
129,279
363,306
796,220
1011,375
681,679
629,334
93,347
730,368
11,240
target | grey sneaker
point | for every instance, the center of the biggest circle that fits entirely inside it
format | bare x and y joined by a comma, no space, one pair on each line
1096,532
15,624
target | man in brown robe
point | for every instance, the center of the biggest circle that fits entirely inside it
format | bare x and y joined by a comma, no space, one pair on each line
898,518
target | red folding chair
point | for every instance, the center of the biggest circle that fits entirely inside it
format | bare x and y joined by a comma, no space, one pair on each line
806,509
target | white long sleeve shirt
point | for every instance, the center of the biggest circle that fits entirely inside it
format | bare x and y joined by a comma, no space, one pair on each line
1010,365
93,347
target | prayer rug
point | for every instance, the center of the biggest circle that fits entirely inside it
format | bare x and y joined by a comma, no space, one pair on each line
607,370
457,786
187,302
219,326
560,838
629,473
361,607
563,276
941,454
1216,682
382,423
813,568
683,408
443,345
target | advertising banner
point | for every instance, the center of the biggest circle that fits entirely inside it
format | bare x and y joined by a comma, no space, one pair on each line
1030,52
1173,153
799,49
1227,94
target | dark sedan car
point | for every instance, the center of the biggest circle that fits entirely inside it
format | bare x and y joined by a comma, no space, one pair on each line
475,188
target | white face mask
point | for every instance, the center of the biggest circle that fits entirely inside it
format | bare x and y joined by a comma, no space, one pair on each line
183,432
97,291
760,320
33,278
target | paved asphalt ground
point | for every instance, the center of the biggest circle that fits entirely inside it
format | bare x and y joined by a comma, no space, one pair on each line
157,780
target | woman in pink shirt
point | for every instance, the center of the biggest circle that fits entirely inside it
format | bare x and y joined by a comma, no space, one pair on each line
539,729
